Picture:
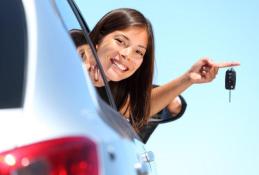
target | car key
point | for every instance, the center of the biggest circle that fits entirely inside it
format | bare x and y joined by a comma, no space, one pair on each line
230,81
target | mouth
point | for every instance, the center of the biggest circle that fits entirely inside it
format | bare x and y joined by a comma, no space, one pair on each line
119,65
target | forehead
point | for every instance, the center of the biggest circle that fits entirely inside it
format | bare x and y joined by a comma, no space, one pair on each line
136,35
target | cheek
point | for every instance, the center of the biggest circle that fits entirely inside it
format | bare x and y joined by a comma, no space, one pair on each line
106,50
137,63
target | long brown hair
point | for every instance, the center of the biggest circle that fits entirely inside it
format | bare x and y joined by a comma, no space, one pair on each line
135,90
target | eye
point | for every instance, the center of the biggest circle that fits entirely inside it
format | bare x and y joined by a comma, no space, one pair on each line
120,41
82,54
140,53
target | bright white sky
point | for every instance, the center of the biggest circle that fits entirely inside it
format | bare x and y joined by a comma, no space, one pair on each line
214,137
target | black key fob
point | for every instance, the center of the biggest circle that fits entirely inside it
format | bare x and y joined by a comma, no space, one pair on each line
230,79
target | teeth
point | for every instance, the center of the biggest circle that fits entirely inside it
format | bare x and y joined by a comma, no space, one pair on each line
120,66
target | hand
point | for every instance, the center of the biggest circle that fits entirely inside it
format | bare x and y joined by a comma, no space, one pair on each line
205,70
90,65
95,76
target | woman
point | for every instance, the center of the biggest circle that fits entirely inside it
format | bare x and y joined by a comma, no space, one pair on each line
125,45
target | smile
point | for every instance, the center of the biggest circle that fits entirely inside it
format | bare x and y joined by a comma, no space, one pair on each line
118,65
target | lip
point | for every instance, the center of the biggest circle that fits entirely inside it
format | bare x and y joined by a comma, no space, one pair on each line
118,65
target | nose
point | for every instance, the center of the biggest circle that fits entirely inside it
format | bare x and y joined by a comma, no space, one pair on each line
125,53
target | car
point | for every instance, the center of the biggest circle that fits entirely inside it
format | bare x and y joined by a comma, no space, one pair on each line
52,121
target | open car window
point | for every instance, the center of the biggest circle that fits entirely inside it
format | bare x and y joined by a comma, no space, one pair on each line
79,32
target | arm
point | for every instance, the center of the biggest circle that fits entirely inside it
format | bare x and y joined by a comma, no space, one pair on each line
165,95
203,71
174,106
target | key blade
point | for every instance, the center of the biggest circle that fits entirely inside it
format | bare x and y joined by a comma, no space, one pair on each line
229,96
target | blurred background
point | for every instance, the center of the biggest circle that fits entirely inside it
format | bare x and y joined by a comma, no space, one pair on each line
214,136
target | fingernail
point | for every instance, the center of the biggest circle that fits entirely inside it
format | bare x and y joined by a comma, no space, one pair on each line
96,75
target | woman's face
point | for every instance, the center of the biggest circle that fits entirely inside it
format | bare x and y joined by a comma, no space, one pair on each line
121,52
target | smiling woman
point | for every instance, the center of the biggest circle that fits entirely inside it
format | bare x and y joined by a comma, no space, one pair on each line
124,42
125,45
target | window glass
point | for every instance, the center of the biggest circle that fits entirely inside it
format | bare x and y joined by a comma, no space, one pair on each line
67,15
83,47
13,45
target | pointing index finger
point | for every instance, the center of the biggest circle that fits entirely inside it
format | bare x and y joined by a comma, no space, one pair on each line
227,64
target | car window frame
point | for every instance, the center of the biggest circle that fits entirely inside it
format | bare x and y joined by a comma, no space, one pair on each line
85,30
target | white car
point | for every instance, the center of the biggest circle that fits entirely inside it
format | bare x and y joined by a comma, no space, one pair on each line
52,121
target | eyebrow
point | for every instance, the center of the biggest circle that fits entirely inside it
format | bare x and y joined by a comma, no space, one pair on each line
142,47
129,39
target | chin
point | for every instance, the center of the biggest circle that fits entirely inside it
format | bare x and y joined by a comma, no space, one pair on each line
113,76
115,79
